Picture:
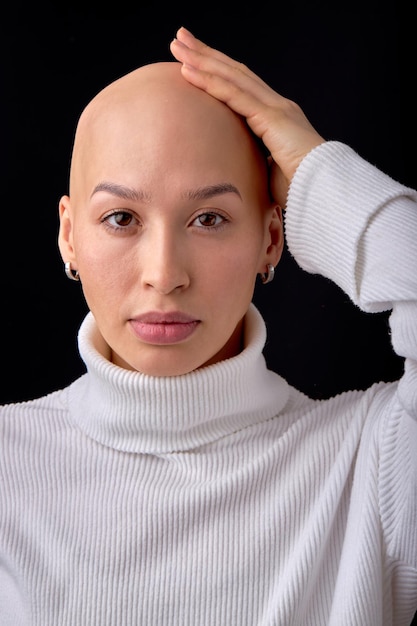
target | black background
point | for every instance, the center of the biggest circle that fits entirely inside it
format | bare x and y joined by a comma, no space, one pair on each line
350,66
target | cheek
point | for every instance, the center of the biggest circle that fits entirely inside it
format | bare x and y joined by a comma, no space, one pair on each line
102,271
248,252
231,272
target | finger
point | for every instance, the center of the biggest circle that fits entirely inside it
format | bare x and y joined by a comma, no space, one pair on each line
231,83
187,38
191,51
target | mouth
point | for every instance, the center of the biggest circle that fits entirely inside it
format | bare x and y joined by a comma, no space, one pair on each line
164,328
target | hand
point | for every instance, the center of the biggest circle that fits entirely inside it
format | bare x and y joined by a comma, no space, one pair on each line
279,122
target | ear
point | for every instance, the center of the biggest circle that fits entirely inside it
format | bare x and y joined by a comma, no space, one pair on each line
274,237
66,229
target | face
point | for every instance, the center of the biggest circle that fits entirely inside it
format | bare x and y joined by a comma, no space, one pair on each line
169,222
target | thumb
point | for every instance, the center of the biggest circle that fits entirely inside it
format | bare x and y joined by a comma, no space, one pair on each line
278,184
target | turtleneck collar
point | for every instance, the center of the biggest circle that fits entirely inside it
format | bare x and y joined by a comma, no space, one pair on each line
134,412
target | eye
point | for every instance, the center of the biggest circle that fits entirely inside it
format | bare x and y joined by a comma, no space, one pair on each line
119,220
209,220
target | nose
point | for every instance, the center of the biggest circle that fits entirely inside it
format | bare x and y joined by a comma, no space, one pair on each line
164,267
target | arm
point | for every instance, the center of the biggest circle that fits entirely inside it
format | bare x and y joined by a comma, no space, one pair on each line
352,223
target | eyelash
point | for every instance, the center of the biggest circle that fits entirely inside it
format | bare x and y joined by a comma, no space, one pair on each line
214,214
106,220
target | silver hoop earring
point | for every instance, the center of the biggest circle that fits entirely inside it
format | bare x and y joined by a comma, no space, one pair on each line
269,276
72,274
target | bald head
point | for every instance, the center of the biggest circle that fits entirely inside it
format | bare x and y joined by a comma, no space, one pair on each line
154,110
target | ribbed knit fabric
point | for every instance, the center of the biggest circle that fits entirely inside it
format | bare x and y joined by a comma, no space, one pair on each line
225,497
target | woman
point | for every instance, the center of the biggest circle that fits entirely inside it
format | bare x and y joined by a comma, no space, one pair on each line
179,481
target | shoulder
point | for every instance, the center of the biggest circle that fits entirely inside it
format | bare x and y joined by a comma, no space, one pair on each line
43,403
22,420
363,417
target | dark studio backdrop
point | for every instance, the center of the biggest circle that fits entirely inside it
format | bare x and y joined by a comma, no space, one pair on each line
352,69
349,67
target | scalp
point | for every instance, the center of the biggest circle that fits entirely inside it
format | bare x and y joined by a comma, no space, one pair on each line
154,105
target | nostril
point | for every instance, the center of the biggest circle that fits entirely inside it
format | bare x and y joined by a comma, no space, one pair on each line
167,283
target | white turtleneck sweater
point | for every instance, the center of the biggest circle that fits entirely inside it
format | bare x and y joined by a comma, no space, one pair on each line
225,497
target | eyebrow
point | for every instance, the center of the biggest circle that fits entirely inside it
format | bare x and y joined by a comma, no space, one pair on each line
205,193
121,191
201,193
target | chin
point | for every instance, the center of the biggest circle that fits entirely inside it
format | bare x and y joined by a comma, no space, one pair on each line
158,366
163,372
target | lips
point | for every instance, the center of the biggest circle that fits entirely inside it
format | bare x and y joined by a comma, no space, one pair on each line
163,328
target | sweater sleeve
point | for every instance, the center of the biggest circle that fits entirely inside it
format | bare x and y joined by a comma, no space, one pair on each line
353,224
